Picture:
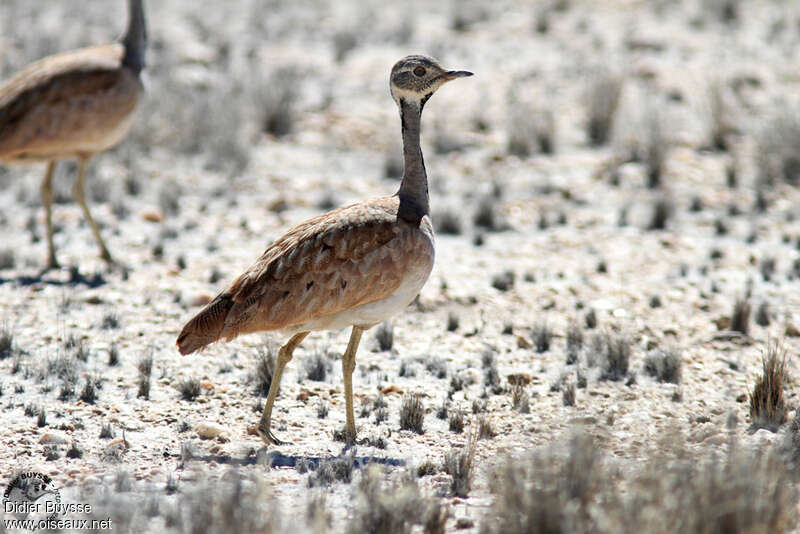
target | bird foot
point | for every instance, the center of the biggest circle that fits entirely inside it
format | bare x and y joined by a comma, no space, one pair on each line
106,257
52,264
269,438
346,436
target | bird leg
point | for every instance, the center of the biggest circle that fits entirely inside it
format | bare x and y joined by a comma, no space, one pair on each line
47,200
348,364
80,198
284,356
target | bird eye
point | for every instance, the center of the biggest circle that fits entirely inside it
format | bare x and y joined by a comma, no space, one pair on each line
419,71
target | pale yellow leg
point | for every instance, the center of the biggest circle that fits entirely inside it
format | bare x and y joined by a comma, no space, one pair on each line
284,356
47,200
80,198
348,364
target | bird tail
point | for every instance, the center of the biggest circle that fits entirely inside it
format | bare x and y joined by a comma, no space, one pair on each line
207,326
135,39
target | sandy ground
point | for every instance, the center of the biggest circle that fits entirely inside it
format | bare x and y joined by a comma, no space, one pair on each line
198,191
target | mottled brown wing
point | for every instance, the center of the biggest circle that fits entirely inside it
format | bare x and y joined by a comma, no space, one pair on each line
104,57
65,98
331,263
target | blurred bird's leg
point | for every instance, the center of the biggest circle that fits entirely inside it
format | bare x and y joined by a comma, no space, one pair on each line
80,197
47,200
284,356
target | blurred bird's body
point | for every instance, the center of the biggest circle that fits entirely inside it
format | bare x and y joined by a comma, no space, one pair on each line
72,106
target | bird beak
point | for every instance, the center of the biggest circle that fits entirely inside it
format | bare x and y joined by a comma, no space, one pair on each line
453,74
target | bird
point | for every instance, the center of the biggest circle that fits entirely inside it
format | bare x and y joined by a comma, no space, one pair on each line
355,266
71,106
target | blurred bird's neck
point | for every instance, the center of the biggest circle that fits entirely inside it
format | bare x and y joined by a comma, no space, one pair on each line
135,39
413,191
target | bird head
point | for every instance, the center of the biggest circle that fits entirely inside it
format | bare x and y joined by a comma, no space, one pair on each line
414,79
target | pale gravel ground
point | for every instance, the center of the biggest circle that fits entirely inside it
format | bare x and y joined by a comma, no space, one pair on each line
342,148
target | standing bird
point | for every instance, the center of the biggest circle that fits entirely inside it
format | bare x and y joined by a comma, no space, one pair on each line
73,105
353,266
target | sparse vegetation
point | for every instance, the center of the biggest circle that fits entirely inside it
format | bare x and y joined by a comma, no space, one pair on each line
394,506
437,367
740,318
655,155
531,129
721,119
107,431
89,391
110,321
503,281
322,409
520,399
485,216
442,411
767,268
113,355
412,414
145,368
568,394
74,451
542,336
590,319
317,367
662,210
485,428
577,489
603,93
189,389
265,367
7,259
777,156
384,334
6,342
615,350
456,421
762,314
767,405
452,321
459,465
574,341
407,369
447,222
664,365
337,469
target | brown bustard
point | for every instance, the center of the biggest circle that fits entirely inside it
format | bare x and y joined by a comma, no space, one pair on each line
353,266
73,105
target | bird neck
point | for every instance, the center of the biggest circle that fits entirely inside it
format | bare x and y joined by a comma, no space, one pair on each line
135,38
413,191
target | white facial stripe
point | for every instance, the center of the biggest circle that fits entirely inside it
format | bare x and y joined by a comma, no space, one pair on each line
405,94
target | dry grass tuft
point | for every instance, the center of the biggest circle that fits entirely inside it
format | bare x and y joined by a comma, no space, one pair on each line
576,489
394,506
767,405
603,96
265,367
459,465
740,318
664,365
145,368
412,414
778,159
6,342
384,334
190,389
